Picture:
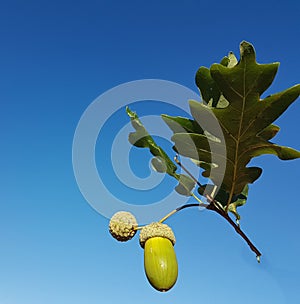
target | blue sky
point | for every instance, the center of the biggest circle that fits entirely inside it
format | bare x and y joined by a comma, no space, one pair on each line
56,57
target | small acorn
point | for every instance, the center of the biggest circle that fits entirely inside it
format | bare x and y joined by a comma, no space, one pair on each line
122,226
160,261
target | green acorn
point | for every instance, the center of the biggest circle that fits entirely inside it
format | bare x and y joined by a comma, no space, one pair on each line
160,261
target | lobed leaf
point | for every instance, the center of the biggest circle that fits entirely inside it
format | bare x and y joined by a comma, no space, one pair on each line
161,161
231,92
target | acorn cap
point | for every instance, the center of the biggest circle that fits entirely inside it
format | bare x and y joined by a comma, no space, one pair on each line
122,226
156,230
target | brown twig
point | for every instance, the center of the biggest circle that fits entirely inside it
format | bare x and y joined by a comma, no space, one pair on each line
236,227
214,206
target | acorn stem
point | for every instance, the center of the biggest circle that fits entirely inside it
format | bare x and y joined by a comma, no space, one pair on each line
183,207
168,215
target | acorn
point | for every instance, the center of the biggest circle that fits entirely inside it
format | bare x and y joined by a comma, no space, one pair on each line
160,261
122,226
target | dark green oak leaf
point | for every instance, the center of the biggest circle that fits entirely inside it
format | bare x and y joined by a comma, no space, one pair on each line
161,161
231,92
209,89
181,124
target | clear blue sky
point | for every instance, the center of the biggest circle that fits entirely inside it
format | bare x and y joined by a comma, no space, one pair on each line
56,57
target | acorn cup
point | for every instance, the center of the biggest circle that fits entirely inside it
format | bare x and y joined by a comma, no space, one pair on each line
122,226
160,261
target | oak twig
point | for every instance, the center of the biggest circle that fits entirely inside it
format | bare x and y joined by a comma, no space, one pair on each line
214,206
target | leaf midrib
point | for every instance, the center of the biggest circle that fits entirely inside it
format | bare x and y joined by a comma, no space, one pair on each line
238,138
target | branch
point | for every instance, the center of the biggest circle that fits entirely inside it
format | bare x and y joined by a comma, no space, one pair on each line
236,227
214,206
